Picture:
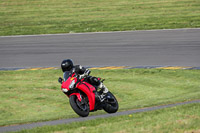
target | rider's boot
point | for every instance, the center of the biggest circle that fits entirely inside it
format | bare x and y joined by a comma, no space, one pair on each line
103,88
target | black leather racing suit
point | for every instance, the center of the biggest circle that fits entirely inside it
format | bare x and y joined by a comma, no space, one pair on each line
81,71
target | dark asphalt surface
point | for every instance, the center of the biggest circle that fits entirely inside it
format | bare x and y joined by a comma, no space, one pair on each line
67,121
135,48
179,47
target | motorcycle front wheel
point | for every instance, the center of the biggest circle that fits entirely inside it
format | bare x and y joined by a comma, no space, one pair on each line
81,108
111,104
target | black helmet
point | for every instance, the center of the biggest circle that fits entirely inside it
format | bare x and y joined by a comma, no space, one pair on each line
67,65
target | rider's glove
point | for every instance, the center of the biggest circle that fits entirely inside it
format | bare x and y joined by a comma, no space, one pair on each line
87,72
81,76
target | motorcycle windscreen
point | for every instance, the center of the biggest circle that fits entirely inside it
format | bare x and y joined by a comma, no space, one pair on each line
66,75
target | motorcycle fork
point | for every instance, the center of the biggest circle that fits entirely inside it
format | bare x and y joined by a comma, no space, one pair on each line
82,98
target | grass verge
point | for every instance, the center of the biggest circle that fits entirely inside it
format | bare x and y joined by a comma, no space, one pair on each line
30,96
22,17
178,119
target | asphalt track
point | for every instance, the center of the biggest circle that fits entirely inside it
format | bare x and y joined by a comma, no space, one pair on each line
67,121
180,47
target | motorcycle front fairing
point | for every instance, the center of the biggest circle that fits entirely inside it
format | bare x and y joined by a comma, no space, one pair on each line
65,87
85,87
88,89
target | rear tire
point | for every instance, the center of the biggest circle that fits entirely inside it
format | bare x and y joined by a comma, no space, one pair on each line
111,104
81,108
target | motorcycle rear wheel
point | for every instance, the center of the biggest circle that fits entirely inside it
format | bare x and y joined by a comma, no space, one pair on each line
81,108
111,104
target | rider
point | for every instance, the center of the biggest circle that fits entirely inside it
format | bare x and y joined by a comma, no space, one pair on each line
68,69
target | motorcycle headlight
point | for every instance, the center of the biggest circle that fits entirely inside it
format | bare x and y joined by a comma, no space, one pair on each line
64,90
71,86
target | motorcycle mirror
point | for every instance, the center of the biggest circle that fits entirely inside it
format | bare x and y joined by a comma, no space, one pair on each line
60,80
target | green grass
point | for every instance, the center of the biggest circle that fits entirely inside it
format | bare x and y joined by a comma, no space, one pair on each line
180,119
29,96
22,17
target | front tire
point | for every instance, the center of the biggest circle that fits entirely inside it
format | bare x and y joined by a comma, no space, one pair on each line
81,108
111,104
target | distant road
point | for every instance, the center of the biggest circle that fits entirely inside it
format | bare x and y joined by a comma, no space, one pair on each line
179,47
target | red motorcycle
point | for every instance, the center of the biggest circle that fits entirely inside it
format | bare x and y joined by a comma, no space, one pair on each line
85,98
